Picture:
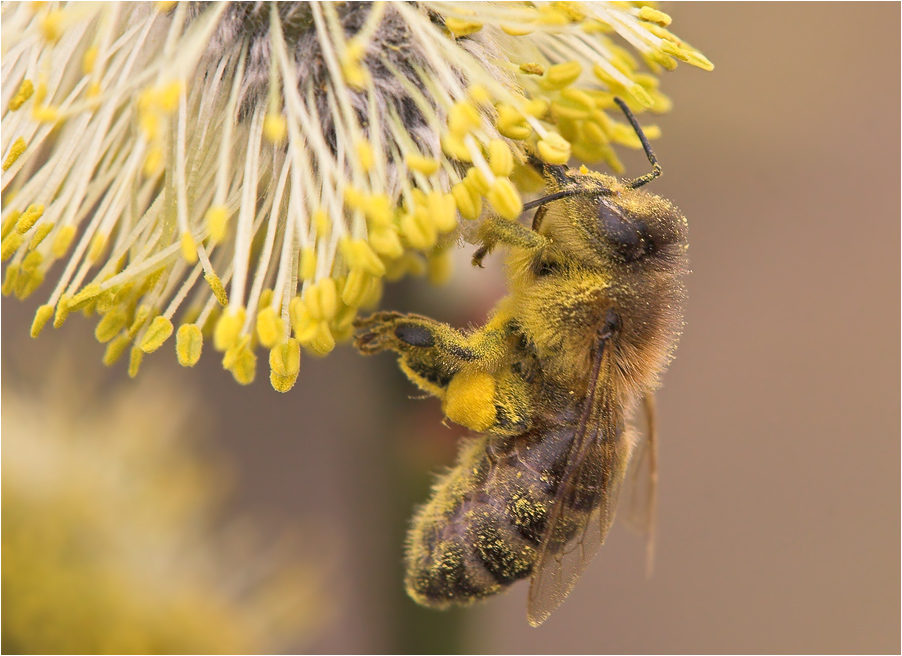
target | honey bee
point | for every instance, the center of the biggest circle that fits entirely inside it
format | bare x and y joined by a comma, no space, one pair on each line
548,386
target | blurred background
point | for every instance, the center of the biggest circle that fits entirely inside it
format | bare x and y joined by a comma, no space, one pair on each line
779,515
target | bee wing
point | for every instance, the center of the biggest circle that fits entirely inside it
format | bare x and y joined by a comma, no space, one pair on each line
596,466
640,491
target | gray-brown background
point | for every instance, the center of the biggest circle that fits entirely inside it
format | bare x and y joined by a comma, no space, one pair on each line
779,510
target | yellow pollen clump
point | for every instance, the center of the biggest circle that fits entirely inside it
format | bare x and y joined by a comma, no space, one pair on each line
15,150
189,341
470,400
532,68
62,311
9,281
511,123
241,361
159,331
10,222
26,89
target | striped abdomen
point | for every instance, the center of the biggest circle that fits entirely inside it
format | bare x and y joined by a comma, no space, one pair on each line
482,527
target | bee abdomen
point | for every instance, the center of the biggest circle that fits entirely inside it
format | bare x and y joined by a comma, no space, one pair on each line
478,534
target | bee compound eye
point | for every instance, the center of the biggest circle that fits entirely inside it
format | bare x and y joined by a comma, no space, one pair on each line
629,238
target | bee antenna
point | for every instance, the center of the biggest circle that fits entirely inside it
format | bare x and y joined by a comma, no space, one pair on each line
655,167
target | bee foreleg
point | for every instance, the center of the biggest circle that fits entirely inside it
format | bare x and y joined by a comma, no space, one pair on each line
496,230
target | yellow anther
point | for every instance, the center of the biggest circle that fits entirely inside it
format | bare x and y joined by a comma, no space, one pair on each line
654,16
562,75
98,244
461,27
153,162
265,298
357,287
378,210
454,147
385,242
51,25
463,117
532,68
322,341
501,160
285,359
217,288
134,361
111,325
189,342
241,361
439,266
527,179
168,96
537,107
270,328
517,30
307,264
505,199
327,298
425,165
15,150
27,282
141,315
10,245
228,329
26,89
115,349
39,235
29,218
575,103
554,149
10,222
89,60
189,248
365,155
470,400
655,56
32,261
217,218
62,311
479,94
695,58
511,123
40,319
477,182
418,230
9,280
301,321
594,133
84,296
322,223
275,128
469,203
359,253
355,74
62,241
442,210
158,332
